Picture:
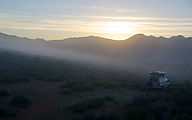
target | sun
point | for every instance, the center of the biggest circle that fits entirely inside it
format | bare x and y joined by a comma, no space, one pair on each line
118,27
117,30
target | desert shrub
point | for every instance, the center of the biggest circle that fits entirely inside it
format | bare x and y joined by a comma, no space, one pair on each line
110,84
3,93
139,101
188,84
99,115
157,111
141,86
166,103
183,101
66,91
6,113
72,87
152,103
136,114
182,97
84,106
21,101
183,117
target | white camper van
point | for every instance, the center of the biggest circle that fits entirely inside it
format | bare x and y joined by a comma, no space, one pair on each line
158,79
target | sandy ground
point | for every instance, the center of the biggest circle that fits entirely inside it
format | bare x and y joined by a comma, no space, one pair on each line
44,96
47,99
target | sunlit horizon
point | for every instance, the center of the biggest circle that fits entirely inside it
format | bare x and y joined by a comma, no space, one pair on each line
119,20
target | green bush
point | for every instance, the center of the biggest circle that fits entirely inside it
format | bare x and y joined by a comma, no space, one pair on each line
72,87
21,101
136,114
99,115
183,117
84,106
140,101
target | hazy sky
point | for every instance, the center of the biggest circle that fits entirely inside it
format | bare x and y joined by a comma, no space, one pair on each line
116,19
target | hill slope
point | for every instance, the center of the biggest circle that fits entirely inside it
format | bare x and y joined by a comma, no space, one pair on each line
138,48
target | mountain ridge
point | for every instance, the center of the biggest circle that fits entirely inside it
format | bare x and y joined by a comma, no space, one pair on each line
139,47
139,35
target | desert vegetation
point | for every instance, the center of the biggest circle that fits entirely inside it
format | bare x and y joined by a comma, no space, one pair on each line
3,93
21,101
5,113
77,92
84,106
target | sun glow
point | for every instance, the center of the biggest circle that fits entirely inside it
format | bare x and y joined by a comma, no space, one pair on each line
118,27
116,30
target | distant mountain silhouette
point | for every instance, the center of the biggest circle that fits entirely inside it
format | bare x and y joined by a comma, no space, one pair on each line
20,43
176,49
